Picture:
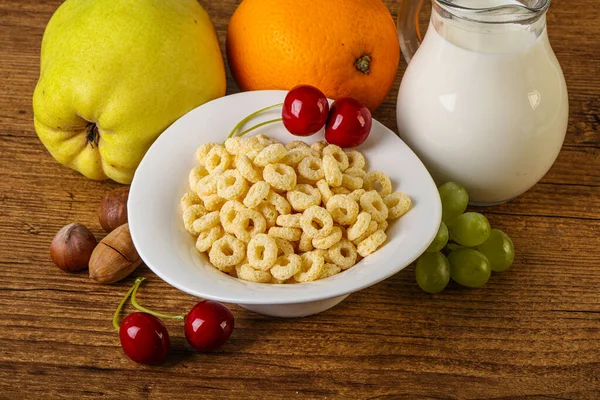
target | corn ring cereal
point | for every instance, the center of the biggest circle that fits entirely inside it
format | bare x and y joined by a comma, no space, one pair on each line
355,159
212,202
233,145
331,168
371,243
343,254
303,196
373,226
227,252
398,204
246,224
283,247
360,226
356,172
289,234
269,212
217,158
289,220
325,190
377,180
270,155
294,157
206,221
329,270
202,152
383,225
256,194
355,194
343,209
311,168
329,240
319,146
265,140
231,185
339,155
247,273
296,144
190,215
247,169
372,202
280,176
262,252
351,182
286,267
281,204
311,267
197,173
316,222
189,199
208,237
305,243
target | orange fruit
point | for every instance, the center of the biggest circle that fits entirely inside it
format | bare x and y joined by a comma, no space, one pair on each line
346,48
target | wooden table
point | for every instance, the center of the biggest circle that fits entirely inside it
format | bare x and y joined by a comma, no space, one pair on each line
532,332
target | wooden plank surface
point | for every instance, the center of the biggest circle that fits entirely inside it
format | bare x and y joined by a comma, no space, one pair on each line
530,333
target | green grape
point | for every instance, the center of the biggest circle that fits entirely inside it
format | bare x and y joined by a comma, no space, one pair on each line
432,272
440,240
470,229
469,267
499,250
454,200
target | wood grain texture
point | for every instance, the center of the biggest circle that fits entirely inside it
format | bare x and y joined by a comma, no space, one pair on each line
530,333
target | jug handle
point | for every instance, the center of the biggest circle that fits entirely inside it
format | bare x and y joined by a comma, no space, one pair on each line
408,27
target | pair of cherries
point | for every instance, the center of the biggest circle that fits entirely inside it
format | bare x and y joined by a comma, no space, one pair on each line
145,339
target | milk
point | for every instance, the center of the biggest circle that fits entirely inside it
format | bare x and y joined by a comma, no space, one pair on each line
485,106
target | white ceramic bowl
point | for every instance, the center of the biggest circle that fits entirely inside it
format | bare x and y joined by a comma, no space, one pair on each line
168,250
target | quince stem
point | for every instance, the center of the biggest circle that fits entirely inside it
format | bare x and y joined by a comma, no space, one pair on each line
249,117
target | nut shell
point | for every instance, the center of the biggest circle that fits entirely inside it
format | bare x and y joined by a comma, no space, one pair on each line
112,211
72,247
115,257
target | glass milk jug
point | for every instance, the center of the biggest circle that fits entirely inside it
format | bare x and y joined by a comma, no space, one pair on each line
483,101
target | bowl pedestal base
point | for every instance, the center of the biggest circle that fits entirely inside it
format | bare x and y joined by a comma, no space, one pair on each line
294,310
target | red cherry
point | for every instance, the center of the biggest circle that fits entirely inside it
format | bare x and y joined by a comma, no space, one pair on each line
144,338
208,325
305,110
349,123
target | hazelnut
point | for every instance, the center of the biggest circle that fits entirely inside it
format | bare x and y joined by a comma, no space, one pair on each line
112,212
72,247
115,257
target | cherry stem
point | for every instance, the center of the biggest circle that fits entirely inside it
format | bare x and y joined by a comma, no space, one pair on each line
137,283
259,125
144,309
249,117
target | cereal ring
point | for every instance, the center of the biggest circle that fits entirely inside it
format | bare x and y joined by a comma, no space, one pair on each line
303,196
316,222
280,176
289,220
343,254
329,240
326,192
352,182
265,140
247,169
208,184
383,225
355,159
329,270
251,144
256,194
377,180
311,168
371,243
203,150
305,243
247,273
206,221
343,209
294,157
262,252
190,215
373,227
319,146
296,144
360,226
333,175
270,155
231,185
233,145
283,247
398,204
227,252
289,234
217,158
311,267
197,173
340,190
208,237
228,213
269,212
286,266
248,223
189,199
281,204
355,195
339,155
212,202
372,203
357,172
